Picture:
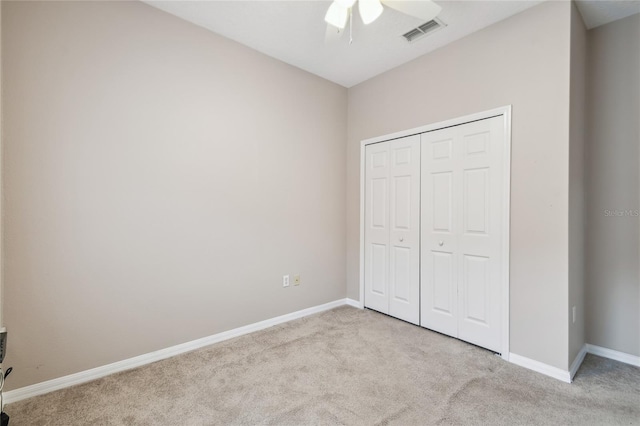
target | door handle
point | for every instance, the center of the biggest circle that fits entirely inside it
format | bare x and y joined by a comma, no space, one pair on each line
440,243
401,239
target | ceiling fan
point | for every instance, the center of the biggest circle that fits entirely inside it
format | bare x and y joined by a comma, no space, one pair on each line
339,11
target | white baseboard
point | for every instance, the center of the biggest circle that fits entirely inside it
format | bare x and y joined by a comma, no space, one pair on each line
567,376
614,355
548,370
354,303
577,362
127,364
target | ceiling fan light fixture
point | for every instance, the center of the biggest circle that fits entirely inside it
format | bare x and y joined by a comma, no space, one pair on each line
337,15
370,10
345,3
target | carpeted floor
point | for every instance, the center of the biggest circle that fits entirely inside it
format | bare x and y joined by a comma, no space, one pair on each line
344,366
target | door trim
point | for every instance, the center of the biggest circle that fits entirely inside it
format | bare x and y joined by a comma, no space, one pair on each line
504,111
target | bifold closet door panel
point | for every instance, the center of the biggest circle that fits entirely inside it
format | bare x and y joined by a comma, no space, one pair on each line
376,231
439,303
480,237
392,228
462,215
404,215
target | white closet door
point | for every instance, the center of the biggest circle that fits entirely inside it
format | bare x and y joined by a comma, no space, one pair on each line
392,228
404,265
376,232
439,294
462,181
480,238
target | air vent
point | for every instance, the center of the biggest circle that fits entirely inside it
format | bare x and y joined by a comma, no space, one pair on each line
423,30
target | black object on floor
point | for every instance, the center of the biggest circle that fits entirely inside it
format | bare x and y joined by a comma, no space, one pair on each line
4,419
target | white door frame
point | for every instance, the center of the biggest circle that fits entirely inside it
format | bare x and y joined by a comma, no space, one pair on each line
504,111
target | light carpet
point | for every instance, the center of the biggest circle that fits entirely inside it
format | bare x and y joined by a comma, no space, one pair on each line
344,366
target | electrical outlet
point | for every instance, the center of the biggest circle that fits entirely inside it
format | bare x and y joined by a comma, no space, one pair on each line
296,280
573,311
285,281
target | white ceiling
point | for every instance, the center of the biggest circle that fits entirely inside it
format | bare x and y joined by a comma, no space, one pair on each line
294,31
601,12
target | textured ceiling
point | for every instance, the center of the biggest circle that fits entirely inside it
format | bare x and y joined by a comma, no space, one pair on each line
294,31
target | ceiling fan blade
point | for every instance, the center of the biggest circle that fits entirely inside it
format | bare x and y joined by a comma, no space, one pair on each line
332,34
370,10
422,9
337,15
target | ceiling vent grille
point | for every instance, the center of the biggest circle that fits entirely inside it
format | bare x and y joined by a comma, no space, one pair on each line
423,30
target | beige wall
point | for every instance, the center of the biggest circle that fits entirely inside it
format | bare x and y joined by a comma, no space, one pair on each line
613,279
157,186
577,214
522,61
160,180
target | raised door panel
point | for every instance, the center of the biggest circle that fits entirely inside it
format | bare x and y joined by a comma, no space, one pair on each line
444,285
475,201
441,199
401,266
476,286
379,200
377,270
